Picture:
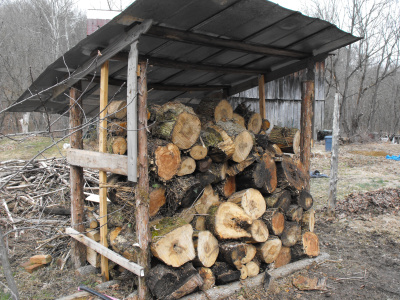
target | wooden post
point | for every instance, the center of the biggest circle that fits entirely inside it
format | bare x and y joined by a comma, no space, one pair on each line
103,174
132,112
76,177
307,99
142,192
334,158
7,268
261,93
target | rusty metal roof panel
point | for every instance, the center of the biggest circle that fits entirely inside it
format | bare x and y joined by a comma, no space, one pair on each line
254,22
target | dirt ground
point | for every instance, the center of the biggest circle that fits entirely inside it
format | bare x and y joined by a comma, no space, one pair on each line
364,248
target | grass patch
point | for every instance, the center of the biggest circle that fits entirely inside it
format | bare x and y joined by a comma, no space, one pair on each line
369,153
4,296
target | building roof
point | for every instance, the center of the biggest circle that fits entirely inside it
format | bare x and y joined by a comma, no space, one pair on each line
193,48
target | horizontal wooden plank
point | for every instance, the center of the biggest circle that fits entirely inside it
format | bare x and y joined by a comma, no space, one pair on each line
111,255
113,163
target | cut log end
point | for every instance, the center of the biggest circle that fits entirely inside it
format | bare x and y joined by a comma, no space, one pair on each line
186,130
252,202
269,251
207,248
168,161
259,231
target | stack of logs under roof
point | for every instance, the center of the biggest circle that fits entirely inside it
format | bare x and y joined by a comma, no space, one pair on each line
226,200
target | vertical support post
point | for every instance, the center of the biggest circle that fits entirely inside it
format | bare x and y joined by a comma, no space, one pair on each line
132,112
261,93
142,192
307,99
76,177
334,158
102,174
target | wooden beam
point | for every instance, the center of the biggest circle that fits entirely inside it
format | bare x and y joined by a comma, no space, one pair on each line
281,72
105,252
307,99
142,192
76,177
102,174
211,41
114,163
120,43
132,112
261,94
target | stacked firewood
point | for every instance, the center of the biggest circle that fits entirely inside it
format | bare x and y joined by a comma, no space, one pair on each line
225,198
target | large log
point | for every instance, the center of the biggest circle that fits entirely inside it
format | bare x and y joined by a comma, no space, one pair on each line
275,220
220,145
207,249
307,246
238,119
252,120
165,159
291,234
251,201
288,139
228,221
177,123
183,191
291,174
237,254
173,283
269,251
172,242
213,110
242,139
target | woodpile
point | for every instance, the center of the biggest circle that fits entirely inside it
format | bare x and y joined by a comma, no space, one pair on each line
227,200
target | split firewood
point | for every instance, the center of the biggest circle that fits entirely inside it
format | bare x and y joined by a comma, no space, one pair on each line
304,199
228,221
224,273
243,272
177,123
291,234
117,128
121,239
237,254
265,125
207,199
259,231
172,241
208,278
204,164
173,283
183,191
92,257
307,246
242,139
187,214
291,174
251,201
280,199
238,119
91,220
220,146
199,223
165,158
198,151
308,220
253,120
288,139
294,213
226,187
93,234
283,258
275,220
43,259
207,249
269,250
119,145
239,167
157,198
117,110
188,166
212,110
252,269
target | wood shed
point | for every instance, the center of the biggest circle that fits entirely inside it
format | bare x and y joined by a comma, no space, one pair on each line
172,64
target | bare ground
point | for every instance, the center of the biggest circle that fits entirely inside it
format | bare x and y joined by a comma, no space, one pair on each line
364,248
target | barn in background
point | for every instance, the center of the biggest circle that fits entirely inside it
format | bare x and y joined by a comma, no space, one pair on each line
283,99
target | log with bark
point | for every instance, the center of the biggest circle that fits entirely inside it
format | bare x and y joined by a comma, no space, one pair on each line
204,164
291,234
275,220
242,139
214,110
238,119
252,269
235,169
224,273
294,213
259,231
288,139
280,199
283,258
172,241
208,278
228,221
291,174
304,199
117,128
207,199
251,201
220,146
165,158
253,120
226,187
183,191
157,198
177,123
117,109
119,145
307,246
237,254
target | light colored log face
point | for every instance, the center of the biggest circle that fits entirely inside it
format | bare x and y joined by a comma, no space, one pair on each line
188,166
252,202
168,160
207,249
176,247
269,251
186,130
259,231
223,111
283,258
208,198
310,244
254,124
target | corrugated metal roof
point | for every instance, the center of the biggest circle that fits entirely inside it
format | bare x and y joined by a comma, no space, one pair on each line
255,23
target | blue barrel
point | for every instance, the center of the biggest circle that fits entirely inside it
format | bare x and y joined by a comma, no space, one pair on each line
328,143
